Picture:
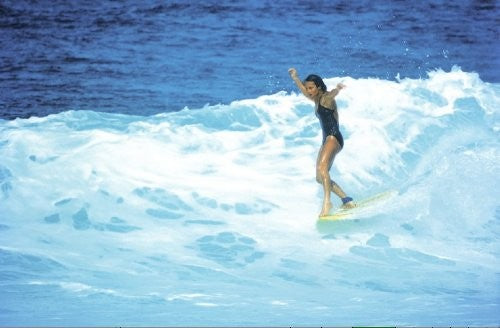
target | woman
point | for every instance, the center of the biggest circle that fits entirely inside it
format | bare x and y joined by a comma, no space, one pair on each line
326,110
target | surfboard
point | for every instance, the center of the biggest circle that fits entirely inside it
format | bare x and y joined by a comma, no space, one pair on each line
362,206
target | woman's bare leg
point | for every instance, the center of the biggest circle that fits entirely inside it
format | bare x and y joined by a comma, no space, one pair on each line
337,190
323,164
323,156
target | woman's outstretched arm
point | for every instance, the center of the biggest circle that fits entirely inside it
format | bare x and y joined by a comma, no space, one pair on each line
336,91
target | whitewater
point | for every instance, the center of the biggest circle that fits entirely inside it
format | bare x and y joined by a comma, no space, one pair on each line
208,216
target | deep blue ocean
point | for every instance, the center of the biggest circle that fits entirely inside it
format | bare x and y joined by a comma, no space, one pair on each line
149,57
157,163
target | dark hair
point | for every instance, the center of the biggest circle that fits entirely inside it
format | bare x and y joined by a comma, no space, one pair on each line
318,81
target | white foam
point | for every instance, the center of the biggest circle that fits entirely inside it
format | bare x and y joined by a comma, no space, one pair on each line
231,190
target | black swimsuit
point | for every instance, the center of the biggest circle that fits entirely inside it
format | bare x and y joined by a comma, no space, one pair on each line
329,124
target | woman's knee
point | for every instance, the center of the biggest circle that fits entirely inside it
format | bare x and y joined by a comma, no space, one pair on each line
322,173
323,167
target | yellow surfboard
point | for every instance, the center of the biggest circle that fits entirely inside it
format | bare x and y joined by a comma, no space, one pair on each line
361,206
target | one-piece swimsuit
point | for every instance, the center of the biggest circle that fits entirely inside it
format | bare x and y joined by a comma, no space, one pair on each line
329,124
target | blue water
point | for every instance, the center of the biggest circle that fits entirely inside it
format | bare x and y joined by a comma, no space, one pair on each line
150,57
173,181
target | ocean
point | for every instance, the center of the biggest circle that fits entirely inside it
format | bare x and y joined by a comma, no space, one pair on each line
157,164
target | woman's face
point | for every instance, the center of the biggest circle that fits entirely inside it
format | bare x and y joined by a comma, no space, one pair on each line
312,89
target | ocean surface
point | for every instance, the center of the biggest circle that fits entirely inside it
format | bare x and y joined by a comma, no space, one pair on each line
157,165
149,57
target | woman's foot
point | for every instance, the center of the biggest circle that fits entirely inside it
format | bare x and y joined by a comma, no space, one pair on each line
327,206
348,203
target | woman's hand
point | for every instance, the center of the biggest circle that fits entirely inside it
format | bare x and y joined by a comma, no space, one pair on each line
340,86
293,73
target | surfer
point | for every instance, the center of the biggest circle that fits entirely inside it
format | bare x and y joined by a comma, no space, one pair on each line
315,89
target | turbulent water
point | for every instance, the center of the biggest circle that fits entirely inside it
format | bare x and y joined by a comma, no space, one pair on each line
157,166
209,216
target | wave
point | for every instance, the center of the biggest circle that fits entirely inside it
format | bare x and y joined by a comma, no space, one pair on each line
230,189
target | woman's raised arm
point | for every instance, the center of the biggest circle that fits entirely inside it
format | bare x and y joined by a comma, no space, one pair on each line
293,74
